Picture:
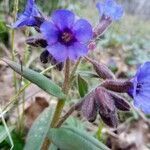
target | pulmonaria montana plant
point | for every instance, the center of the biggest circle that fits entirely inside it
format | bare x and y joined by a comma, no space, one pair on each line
30,17
140,91
62,38
66,37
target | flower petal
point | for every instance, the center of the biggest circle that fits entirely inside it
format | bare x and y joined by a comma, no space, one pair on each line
83,31
143,103
58,51
49,31
118,13
77,50
63,19
22,22
143,73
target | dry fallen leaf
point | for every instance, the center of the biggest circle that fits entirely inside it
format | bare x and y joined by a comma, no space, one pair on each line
33,111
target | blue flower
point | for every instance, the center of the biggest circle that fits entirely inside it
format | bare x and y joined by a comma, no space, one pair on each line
29,16
141,88
110,9
66,37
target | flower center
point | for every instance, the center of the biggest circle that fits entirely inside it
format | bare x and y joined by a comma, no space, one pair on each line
66,37
138,88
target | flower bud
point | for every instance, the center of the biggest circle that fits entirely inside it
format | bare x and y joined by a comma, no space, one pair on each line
89,108
44,57
92,45
36,42
121,86
120,102
102,70
106,106
104,23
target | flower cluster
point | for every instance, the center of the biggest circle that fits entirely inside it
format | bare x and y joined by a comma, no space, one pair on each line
64,35
103,99
106,104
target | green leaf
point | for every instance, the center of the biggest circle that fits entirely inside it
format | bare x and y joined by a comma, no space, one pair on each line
82,86
3,133
40,80
68,138
39,129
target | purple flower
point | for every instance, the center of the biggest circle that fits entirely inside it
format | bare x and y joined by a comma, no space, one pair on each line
141,88
30,17
66,37
110,9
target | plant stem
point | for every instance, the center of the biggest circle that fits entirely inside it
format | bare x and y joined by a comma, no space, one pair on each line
60,103
65,89
13,51
69,112
74,69
56,122
25,59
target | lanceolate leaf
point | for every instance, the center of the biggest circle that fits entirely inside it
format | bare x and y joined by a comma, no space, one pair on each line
40,80
69,138
82,86
39,130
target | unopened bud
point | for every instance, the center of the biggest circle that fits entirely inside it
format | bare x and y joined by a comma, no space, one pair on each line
92,45
120,102
121,86
44,57
102,26
106,106
102,70
37,42
89,108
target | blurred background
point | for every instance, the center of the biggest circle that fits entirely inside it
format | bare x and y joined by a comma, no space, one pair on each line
123,47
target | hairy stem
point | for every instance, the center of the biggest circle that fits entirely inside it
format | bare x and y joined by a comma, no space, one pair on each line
65,89
69,112
57,122
60,103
